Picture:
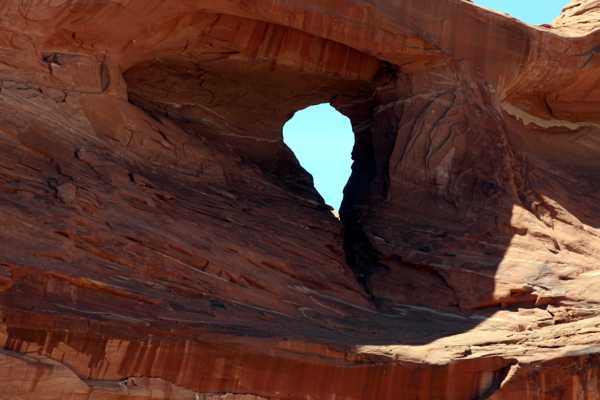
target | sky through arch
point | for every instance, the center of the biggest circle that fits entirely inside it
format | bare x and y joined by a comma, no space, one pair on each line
322,138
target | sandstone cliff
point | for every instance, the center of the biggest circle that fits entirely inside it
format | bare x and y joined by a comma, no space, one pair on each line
159,240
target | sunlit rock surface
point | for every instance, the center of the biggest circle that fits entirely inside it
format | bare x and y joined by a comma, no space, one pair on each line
159,240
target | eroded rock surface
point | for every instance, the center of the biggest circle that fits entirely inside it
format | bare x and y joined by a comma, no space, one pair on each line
159,240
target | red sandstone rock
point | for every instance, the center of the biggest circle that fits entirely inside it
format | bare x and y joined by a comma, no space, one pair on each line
159,240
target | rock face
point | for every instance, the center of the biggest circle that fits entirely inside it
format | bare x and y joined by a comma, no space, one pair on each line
159,240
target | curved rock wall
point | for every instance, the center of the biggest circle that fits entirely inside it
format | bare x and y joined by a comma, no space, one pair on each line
159,240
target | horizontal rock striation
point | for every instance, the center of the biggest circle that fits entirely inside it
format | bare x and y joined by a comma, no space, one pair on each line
159,240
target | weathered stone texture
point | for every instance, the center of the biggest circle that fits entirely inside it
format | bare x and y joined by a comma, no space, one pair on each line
159,240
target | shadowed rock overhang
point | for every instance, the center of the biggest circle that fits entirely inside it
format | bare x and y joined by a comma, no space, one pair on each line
159,240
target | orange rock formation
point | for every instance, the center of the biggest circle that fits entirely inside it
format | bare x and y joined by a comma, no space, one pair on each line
159,240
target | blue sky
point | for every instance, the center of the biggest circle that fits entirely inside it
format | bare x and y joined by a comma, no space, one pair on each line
533,12
322,138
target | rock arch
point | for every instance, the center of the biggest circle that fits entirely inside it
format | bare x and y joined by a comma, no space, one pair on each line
158,226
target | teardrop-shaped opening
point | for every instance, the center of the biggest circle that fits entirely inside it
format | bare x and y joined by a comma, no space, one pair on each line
322,140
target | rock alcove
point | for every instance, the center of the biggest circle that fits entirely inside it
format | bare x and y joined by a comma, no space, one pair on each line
159,239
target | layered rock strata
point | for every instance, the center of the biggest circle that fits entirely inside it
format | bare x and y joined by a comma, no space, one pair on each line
159,240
